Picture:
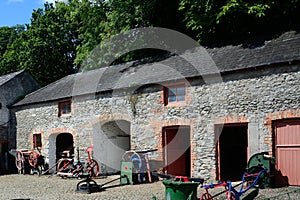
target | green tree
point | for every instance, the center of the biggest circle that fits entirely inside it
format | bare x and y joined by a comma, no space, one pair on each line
50,44
89,18
9,58
220,20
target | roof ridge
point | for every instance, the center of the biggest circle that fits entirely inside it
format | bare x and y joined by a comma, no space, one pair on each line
7,77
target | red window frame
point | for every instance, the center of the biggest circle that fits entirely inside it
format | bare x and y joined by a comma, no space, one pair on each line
65,108
175,94
37,140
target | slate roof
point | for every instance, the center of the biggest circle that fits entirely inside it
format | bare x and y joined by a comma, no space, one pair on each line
191,63
5,78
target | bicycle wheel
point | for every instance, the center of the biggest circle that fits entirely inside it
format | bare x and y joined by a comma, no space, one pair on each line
93,168
206,196
64,165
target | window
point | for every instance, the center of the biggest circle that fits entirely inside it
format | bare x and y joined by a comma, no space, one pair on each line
37,140
175,94
65,108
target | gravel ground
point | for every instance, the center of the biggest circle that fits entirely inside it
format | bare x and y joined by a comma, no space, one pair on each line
45,187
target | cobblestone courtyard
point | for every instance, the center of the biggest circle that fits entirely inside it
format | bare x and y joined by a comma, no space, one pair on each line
47,188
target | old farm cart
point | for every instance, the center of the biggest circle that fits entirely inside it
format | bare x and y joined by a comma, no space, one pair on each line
29,161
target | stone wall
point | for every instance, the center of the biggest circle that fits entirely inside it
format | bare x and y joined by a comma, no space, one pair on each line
254,97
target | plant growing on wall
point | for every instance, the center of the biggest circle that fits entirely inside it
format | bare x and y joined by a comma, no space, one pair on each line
132,97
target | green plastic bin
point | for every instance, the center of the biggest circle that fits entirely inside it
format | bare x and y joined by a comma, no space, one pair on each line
180,190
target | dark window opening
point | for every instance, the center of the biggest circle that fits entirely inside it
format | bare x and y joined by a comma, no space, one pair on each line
65,108
37,140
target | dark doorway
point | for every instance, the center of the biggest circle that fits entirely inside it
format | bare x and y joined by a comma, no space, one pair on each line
177,151
3,157
64,145
232,152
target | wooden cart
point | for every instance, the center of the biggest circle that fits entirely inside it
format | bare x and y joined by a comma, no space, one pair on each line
29,161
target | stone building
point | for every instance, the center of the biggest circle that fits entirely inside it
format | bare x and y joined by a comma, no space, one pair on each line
13,87
205,111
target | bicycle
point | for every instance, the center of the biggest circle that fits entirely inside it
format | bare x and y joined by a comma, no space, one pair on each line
67,168
249,178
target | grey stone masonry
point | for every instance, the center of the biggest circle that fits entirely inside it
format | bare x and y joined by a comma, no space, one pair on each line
253,97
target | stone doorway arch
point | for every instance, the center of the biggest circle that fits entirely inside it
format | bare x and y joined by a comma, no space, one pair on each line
111,140
58,143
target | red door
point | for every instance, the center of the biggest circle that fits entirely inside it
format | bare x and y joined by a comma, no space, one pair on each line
287,152
176,145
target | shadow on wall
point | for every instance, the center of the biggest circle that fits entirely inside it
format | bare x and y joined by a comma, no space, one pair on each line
280,180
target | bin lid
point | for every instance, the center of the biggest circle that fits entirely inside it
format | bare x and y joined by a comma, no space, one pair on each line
179,183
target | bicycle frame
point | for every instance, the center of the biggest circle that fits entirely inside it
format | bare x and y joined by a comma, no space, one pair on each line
237,194
231,192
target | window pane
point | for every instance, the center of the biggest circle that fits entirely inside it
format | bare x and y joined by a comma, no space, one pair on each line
181,91
172,98
180,98
172,91
176,94
65,108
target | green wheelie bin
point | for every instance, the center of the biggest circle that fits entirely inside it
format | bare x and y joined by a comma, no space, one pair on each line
180,190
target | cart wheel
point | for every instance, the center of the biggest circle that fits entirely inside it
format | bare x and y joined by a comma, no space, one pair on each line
206,196
127,156
93,168
64,165
78,170
19,161
33,158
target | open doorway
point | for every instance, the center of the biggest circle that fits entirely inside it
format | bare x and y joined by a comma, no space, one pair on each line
232,151
176,150
111,141
64,144
3,156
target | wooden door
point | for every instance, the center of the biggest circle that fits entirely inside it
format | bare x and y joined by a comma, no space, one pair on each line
176,145
287,152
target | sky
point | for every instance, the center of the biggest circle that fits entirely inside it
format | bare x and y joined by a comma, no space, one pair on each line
13,12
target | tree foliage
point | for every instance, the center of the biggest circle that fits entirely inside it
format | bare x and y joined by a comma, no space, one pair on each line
61,36
212,20
8,39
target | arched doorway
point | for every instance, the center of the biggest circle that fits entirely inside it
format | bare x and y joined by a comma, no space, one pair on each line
111,140
64,144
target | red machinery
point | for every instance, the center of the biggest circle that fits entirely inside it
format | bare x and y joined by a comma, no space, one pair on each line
29,160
